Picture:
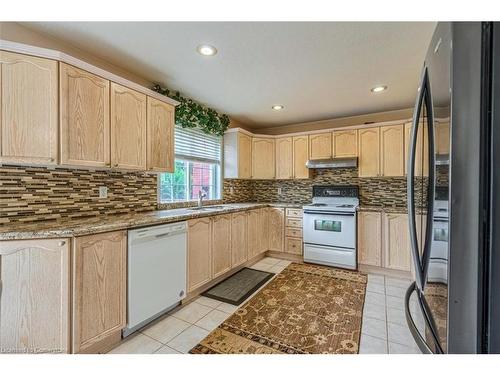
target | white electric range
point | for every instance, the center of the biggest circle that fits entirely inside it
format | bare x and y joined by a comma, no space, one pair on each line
329,226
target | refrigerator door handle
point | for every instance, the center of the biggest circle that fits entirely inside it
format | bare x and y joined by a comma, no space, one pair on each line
419,340
419,275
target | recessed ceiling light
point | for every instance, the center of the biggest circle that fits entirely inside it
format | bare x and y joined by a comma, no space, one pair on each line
379,88
206,50
277,107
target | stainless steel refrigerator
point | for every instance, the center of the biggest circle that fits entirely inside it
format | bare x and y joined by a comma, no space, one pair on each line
453,305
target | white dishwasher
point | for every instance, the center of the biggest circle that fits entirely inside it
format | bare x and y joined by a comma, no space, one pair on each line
156,272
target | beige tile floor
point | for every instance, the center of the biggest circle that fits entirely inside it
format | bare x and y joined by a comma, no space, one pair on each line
384,326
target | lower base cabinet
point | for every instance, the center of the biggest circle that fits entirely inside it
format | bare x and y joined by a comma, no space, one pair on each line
370,238
35,296
397,252
258,232
199,255
99,289
276,220
221,245
239,238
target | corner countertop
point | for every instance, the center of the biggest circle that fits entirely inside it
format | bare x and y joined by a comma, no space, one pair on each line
65,228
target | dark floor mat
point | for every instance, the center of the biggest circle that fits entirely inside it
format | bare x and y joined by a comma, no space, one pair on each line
238,287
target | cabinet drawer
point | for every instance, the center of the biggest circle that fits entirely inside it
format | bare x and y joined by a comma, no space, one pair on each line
295,223
293,232
293,246
294,213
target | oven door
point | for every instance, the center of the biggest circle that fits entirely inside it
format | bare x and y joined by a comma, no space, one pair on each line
325,228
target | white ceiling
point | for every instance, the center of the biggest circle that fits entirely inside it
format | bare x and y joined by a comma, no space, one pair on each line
316,70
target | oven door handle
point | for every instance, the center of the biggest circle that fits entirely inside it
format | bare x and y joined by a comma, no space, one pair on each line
329,213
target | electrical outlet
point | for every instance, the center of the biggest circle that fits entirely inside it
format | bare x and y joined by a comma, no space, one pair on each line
279,190
103,191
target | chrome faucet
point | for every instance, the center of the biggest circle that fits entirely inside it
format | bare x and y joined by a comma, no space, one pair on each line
201,195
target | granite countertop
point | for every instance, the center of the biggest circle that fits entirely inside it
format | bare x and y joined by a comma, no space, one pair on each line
388,209
99,224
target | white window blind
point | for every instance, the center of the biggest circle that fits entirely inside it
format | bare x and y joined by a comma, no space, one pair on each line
195,145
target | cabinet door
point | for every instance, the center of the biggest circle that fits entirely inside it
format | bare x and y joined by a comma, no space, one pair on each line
34,296
99,288
370,238
300,157
369,158
293,246
128,128
421,165
199,252
221,244
263,164
84,107
239,239
276,217
264,230
442,133
254,229
397,253
392,150
284,160
345,143
28,109
320,146
244,156
160,136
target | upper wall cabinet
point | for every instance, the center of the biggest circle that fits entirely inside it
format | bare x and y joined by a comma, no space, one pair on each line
28,109
320,146
421,151
263,162
84,101
392,150
237,155
128,128
284,158
369,156
345,143
160,136
300,157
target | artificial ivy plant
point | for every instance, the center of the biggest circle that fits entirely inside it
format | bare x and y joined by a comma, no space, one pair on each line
190,114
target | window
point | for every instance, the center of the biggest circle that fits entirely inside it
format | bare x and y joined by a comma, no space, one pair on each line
197,167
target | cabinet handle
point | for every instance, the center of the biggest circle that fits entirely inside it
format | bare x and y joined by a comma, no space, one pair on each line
62,243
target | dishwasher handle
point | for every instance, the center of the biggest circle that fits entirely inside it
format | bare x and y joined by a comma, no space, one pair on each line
157,232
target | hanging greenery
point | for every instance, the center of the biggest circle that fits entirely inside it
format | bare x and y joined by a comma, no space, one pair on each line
190,114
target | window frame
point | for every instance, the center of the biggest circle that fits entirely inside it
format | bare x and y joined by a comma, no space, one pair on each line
218,179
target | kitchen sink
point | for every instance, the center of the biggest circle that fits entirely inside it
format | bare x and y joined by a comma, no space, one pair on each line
206,208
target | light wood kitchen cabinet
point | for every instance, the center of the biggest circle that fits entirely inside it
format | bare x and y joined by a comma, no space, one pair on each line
345,143
84,116
199,257
221,244
99,289
293,231
254,228
160,136
397,253
239,238
276,217
370,238
320,146
392,150
263,162
28,109
421,150
237,155
35,296
128,128
442,134
293,246
300,157
369,152
284,158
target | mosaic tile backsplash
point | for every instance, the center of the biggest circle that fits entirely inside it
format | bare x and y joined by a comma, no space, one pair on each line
29,194
38,193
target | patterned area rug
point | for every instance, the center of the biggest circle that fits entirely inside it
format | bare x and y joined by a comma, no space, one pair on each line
304,309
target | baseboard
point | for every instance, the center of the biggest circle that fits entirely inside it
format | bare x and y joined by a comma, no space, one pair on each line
385,271
280,255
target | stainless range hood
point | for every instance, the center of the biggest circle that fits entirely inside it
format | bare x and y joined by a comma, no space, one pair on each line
332,163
